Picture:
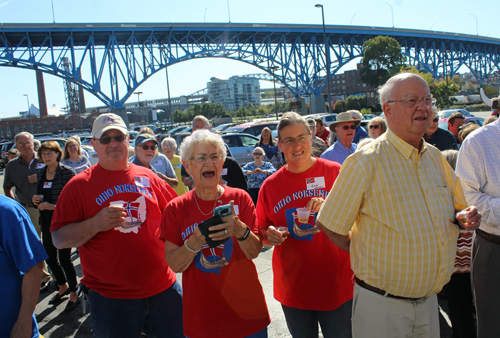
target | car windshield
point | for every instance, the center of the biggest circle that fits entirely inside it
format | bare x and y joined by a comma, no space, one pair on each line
235,129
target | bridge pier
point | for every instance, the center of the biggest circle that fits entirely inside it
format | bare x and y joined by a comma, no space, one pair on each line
317,104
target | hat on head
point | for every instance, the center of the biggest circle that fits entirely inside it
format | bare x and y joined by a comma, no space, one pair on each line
355,114
143,138
343,117
107,122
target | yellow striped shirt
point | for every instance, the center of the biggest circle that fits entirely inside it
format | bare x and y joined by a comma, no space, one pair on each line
400,205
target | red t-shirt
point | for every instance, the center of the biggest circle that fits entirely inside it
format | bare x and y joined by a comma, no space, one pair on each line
325,137
310,272
224,299
120,263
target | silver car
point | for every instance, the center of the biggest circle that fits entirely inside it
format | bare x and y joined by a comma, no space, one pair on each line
241,146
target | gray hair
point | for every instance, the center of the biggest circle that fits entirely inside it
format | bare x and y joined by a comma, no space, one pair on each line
202,136
201,118
451,156
23,133
260,149
385,90
168,140
290,118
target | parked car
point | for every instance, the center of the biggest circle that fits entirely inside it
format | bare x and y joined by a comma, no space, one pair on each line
222,127
176,130
254,128
241,146
4,149
328,118
369,116
443,123
444,114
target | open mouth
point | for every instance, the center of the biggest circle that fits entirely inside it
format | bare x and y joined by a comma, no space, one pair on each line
298,153
421,118
208,174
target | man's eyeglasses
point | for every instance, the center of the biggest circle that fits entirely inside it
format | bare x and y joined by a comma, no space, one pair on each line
345,127
204,158
107,139
290,141
413,101
257,154
146,147
374,126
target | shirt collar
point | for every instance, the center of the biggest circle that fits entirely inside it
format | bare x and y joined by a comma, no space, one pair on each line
404,147
344,148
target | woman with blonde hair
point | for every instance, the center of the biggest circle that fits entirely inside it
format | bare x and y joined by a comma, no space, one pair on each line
376,127
73,157
257,171
168,146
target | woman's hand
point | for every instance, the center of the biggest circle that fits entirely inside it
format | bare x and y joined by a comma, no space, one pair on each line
36,199
232,226
46,206
276,237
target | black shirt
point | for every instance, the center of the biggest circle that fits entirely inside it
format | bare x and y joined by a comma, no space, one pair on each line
442,139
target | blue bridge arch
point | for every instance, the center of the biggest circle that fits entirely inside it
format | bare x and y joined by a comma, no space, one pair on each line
112,60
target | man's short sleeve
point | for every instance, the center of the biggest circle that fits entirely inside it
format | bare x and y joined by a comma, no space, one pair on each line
170,169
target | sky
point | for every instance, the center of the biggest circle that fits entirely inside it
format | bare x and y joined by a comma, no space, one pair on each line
187,77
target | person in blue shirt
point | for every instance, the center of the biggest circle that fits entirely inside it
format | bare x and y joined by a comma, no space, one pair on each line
257,171
272,152
360,131
345,127
21,264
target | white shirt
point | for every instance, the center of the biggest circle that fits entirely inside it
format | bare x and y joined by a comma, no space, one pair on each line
478,167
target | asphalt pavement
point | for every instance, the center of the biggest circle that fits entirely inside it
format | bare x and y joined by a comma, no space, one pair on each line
53,322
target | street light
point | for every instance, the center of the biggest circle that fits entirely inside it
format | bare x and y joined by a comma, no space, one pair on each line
477,31
139,102
327,56
392,14
28,100
273,69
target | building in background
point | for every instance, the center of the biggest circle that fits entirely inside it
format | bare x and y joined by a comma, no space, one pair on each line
234,93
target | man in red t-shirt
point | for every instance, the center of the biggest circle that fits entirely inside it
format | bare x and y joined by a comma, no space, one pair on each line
321,131
112,212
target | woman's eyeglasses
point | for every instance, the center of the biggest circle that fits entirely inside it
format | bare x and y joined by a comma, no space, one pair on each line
146,147
374,126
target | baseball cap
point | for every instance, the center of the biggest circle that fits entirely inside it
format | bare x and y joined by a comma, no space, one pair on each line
107,122
143,138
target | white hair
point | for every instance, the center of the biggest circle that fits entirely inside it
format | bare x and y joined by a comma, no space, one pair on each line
23,133
202,136
168,140
385,90
201,118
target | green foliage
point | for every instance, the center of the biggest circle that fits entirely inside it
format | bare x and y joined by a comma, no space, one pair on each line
366,111
490,91
382,58
439,92
340,106
356,102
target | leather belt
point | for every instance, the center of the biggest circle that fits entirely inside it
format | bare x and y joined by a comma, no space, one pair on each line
27,205
380,291
488,237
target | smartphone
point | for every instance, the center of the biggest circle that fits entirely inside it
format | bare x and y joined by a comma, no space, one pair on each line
223,210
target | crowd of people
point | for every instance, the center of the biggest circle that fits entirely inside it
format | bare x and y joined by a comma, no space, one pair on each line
367,228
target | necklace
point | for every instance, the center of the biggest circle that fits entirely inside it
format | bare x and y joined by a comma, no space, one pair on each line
51,172
196,200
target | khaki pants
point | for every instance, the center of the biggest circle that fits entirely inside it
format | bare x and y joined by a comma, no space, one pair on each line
35,215
376,316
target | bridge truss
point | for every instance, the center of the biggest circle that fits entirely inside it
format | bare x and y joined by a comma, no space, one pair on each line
111,60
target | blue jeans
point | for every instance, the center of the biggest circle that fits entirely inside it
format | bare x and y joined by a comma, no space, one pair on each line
304,323
158,316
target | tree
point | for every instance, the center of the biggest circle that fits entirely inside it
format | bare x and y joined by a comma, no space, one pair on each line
356,102
439,92
382,58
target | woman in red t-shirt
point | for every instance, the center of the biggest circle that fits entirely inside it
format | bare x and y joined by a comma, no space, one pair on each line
312,276
222,296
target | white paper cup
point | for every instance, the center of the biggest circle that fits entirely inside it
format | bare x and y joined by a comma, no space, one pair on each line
303,215
116,204
282,229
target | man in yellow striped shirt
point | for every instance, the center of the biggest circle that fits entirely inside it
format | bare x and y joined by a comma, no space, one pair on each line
393,207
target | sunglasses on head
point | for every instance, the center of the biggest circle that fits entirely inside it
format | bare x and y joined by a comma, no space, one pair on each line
146,147
348,127
107,139
374,126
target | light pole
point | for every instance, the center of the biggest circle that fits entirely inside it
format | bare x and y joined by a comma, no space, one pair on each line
29,114
327,56
352,18
139,102
273,69
392,14
445,52
477,31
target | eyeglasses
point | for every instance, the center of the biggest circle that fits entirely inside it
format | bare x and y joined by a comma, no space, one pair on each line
146,147
107,139
257,154
374,126
413,101
169,147
436,119
204,158
290,141
22,144
345,127
48,154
